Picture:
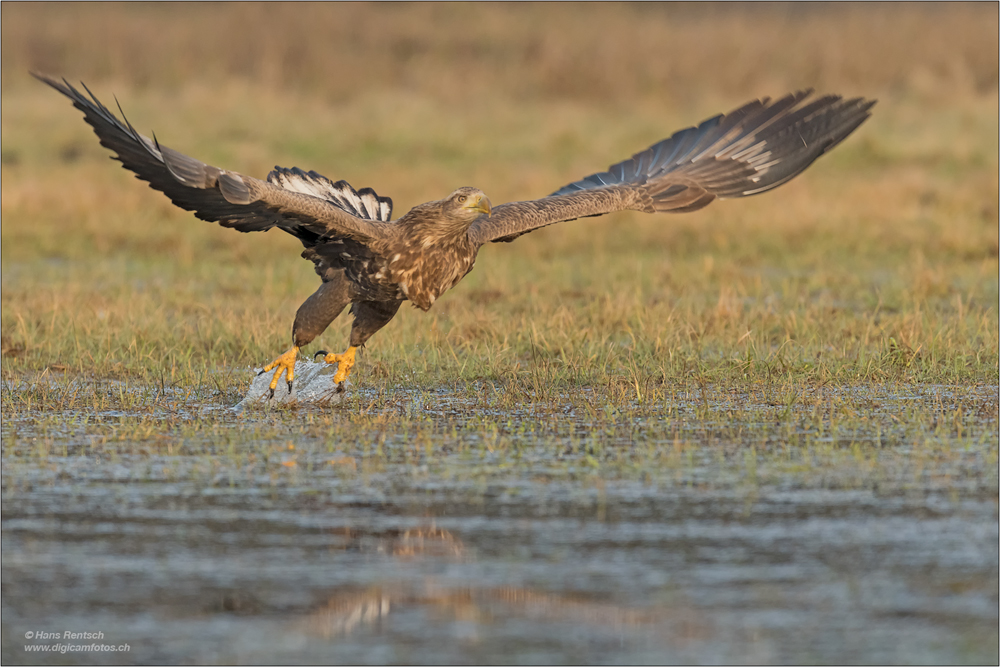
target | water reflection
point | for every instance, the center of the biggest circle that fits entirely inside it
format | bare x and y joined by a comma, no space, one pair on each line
348,610
429,541
344,612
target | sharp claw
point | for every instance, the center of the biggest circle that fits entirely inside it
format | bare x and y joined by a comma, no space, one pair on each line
344,361
285,365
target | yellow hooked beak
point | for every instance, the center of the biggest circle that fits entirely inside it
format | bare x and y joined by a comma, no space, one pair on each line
481,204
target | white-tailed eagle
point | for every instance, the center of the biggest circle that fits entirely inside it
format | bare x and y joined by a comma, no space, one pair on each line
375,263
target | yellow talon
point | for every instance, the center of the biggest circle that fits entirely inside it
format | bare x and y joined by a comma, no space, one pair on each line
285,364
345,362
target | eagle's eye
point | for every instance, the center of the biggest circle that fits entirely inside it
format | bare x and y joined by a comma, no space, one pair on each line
461,199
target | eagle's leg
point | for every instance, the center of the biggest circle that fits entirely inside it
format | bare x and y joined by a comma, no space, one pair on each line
313,317
369,317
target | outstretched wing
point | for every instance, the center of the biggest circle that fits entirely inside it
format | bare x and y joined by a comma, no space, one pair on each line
303,204
751,150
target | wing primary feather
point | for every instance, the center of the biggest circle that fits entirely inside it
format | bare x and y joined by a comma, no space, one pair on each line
750,150
212,194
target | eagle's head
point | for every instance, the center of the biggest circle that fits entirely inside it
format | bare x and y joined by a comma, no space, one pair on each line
465,205
446,220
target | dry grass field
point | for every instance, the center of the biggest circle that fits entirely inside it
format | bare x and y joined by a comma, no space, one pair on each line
775,339
886,251
880,262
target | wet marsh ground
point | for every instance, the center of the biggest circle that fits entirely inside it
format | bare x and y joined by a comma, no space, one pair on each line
850,525
765,432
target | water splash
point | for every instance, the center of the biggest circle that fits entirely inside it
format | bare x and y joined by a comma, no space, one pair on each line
313,385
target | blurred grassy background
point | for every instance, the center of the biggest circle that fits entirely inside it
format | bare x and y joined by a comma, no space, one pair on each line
881,261
609,54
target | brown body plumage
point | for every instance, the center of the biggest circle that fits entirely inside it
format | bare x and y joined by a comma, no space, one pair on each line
374,263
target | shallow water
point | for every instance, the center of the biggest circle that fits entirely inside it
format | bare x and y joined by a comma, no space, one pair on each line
328,554
312,385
